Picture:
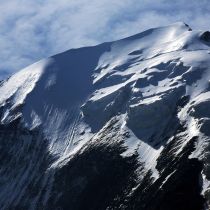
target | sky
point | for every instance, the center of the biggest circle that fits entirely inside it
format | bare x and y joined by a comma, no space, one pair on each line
34,29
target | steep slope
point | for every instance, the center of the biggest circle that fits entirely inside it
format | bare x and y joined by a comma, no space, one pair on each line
121,125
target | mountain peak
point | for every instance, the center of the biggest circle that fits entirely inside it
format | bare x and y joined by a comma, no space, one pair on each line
138,104
181,24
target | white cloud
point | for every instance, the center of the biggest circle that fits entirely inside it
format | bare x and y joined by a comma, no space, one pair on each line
33,29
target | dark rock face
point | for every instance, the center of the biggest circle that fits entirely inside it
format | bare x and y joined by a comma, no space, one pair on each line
98,176
206,36
24,160
178,186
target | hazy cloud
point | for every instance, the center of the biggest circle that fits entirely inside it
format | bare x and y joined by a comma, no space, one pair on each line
33,29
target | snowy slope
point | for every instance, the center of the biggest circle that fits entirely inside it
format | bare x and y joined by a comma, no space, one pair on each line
149,93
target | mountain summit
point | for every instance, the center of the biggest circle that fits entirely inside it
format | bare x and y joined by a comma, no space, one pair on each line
120,125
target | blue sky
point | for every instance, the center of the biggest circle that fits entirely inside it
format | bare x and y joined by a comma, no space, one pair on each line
35,29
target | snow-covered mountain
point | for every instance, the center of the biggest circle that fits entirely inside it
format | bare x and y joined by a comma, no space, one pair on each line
120,125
